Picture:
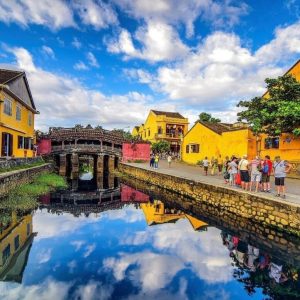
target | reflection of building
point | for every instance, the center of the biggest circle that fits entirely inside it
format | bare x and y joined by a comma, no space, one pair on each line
157,213
161,125
15,244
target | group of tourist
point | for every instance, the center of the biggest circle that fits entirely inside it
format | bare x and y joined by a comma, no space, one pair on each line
154,159
251,175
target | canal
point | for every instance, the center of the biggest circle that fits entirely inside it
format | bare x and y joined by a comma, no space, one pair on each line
130,241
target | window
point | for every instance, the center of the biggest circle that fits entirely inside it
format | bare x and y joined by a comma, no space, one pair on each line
7,107
195,148
29,118
17,242
159,130
5,254
272,143
148,132
187,149
27,143
18,113
20,142
28,229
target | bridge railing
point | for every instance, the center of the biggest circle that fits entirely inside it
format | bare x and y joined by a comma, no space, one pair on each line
86,147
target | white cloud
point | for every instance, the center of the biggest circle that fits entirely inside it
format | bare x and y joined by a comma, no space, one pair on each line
48,289
80,66
217,13
150,276
96,13
220,71
65,101
44,256
48,52
92,60
93,290
76,43
89,249
160,42
25,12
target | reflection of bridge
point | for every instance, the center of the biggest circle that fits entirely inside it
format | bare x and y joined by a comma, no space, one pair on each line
69,144
93,202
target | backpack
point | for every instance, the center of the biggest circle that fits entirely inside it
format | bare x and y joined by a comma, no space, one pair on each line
265,168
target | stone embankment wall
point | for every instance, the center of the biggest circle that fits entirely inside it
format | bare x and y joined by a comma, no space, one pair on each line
262,209
14,162
13,179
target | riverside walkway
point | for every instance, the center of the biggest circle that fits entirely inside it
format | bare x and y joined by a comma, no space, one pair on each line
196,173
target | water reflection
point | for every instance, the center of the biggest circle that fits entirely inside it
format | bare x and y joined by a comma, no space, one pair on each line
123,243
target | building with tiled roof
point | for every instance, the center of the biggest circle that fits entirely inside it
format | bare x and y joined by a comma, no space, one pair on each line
163,125
17,111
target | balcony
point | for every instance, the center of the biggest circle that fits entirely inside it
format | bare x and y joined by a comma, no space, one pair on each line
171,136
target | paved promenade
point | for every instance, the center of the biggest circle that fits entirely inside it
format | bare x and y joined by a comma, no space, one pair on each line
196,173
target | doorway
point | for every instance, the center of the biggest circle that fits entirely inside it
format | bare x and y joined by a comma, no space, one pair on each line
7,144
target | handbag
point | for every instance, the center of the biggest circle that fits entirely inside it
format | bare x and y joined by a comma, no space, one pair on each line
238,180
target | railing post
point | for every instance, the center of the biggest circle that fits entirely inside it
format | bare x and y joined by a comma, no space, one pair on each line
111,164
75,166
62,165
100,165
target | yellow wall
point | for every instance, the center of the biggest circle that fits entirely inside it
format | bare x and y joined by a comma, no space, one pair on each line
287,150
212,144
208,140
8,236
10,125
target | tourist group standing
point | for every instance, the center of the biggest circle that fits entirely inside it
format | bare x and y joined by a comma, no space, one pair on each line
251,175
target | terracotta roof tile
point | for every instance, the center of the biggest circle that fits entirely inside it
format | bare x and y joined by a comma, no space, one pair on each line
168,114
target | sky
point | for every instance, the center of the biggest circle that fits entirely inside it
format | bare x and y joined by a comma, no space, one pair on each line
109,62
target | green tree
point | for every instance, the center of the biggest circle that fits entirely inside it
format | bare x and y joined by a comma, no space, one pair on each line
206,117
161,146
277,113
125,134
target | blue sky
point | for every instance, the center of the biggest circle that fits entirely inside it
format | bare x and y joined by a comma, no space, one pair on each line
110,62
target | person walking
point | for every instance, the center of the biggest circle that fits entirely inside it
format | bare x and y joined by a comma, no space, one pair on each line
244,172
169,159
205,163
266,173
232,170
225,168
256,168
213,164
281,168
152,161
156,160
220,164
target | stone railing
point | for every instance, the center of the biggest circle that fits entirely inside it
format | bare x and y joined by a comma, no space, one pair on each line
83,147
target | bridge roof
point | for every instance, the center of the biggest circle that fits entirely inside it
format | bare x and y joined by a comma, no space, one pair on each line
61,134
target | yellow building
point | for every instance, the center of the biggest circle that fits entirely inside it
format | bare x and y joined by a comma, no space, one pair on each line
287,146
17,111
15,242
157,213
161,125
215,140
